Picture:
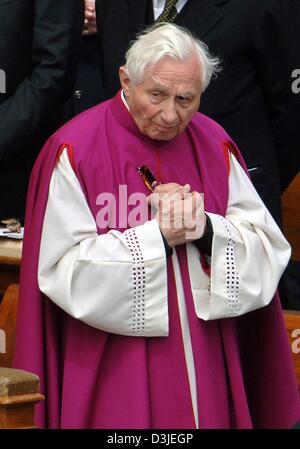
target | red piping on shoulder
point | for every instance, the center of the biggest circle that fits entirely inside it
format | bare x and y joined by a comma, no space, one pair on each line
228,148
70,151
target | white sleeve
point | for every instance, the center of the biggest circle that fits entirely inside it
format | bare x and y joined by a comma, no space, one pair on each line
117,281
249,255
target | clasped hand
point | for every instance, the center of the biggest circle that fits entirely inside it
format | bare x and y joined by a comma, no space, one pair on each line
179,213
90,22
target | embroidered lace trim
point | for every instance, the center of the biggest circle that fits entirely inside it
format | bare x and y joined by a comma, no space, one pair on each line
232,275
139,283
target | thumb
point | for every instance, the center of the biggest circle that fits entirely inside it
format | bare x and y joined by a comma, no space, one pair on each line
186,189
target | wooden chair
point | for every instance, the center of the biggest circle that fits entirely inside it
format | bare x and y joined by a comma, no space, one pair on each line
8,318
19,390
292,323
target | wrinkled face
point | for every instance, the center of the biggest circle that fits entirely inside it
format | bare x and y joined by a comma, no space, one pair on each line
163,105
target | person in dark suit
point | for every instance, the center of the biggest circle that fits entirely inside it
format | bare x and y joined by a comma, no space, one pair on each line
252,97
87,90
38,54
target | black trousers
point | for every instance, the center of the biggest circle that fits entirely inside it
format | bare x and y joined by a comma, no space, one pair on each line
14,179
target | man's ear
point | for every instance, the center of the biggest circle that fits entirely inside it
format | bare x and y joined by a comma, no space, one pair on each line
124,80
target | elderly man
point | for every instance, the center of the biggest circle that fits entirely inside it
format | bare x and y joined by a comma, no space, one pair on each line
162,319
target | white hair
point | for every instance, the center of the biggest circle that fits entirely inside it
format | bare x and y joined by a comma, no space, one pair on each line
168,40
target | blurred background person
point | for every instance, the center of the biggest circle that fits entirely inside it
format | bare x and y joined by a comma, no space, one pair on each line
88,90
38,53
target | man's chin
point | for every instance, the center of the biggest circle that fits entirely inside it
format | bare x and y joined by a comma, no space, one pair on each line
164,138
164,135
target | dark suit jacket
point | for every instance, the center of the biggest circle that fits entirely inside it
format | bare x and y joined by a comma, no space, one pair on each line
252,98
88,89
38,53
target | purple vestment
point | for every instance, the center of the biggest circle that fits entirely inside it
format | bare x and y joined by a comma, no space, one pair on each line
93,379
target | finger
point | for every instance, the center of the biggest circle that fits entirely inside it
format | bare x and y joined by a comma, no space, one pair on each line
93,30
166,187
87,14
174,193
185,190
180,189
153,201
198,201
90,8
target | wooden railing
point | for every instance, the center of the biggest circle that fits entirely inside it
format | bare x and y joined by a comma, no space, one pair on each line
19,390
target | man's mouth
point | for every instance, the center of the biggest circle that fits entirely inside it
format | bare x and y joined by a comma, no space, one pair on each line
164,128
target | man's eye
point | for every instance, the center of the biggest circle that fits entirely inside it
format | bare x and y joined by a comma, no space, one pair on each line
156,97
184,100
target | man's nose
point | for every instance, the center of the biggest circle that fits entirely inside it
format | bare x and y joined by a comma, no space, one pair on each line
169,113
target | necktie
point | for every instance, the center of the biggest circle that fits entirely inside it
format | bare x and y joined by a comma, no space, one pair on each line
169,13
